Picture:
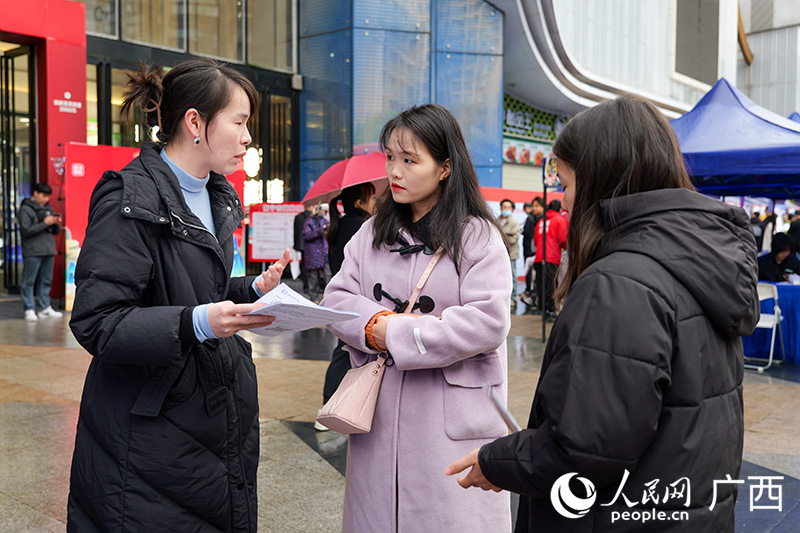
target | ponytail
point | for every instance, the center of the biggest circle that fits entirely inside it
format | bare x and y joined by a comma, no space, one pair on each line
333,228
145,90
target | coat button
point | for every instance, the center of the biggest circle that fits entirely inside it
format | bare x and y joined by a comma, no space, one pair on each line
230,385
185,232
127,209
240,486
220,288
162,219
229,208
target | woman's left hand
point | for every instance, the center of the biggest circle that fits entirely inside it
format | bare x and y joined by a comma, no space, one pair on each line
272,276
475,478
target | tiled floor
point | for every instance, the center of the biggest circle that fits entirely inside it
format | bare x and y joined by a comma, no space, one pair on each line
300,477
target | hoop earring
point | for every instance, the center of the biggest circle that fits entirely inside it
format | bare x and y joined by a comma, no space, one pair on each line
197,140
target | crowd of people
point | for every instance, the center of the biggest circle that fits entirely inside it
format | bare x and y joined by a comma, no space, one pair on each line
779,245
168,430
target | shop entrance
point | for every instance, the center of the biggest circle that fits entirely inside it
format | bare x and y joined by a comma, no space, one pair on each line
17,150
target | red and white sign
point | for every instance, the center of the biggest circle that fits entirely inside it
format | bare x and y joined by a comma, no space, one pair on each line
272,229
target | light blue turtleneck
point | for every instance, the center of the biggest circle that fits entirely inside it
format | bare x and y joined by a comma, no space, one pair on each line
196,196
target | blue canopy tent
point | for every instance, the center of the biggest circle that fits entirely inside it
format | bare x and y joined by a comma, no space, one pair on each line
794,116
733,147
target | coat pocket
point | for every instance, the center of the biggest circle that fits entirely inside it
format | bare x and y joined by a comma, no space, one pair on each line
184,386
468,412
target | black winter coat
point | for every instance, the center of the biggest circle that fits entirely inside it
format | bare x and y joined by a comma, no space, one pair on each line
643,371
168,435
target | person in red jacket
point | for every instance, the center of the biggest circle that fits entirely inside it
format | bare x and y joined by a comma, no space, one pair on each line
556,242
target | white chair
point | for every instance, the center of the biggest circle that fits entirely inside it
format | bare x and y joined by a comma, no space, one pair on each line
767,291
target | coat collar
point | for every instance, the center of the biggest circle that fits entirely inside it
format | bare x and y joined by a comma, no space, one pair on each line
160,200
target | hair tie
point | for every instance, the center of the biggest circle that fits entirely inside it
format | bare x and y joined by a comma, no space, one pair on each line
155,107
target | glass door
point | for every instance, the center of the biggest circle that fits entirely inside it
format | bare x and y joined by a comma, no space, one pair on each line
17,150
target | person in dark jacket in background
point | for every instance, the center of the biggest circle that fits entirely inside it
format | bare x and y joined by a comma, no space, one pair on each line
38,224
622,406
528,249
779,263
358,203
168,436
299,220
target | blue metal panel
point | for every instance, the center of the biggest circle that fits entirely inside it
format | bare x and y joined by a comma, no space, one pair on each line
311,170
471,87
324,16
407,15
392,73
468,26
325,103
490,176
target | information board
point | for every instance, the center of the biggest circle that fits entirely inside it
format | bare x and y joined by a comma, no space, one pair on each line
272,229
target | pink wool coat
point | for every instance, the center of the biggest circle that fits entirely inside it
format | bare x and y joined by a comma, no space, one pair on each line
431,408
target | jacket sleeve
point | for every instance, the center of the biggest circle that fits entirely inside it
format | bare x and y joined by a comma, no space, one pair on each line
241,290
479,325
344,293
29,225
311,230
112,275
512,231
600,397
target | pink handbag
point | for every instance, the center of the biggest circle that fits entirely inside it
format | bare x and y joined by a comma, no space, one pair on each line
352,406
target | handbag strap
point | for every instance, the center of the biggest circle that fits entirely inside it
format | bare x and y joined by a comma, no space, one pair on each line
422,279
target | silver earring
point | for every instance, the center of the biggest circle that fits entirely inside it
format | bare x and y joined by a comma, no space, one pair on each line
197,140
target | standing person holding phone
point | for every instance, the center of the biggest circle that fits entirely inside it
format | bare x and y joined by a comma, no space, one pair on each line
168,434
430,403
38,225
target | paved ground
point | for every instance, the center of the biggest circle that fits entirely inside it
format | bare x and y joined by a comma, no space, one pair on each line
301,480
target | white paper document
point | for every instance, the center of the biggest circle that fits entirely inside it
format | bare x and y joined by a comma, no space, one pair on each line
292,312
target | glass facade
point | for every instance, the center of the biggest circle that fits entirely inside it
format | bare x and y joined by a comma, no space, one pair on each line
159,23
101,17
269,35
92,132
216,28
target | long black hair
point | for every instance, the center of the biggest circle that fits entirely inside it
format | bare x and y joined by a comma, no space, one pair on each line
619,147
460,196
348,197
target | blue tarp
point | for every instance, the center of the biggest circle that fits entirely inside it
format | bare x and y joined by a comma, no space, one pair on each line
733,147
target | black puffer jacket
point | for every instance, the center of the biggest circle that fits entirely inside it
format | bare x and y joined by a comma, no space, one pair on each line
168,431
643,371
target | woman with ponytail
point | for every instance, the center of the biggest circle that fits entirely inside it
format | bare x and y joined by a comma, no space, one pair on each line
167,436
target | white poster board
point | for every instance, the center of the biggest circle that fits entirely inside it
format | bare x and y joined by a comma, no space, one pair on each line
272,229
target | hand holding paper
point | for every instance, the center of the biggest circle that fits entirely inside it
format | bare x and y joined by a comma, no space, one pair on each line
292,312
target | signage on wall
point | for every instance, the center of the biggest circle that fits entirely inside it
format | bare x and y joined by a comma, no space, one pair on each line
524,121
524,152
67,105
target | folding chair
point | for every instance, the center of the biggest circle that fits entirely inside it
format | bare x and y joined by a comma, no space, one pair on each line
767,291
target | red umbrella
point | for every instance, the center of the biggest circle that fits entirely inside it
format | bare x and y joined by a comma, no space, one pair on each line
354,171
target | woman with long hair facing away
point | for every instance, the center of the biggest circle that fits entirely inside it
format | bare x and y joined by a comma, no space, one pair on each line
431,403
358,203
640,393
167,435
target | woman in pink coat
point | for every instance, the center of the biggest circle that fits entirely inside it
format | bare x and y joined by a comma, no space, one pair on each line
431,405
